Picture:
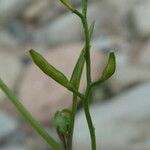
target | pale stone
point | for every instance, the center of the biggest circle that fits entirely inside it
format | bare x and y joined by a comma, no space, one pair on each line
10,69
7,40
15,147
120,124
68,28
8,126
36,9
140,16
144,54
9,9
128,75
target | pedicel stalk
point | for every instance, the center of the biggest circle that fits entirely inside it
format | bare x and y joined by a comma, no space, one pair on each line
64,119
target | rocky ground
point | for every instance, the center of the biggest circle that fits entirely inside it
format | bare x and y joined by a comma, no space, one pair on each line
122,118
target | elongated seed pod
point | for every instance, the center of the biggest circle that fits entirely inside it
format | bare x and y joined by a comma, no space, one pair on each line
108,71
110,67
48,69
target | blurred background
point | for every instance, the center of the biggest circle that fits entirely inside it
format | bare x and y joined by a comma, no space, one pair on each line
120,107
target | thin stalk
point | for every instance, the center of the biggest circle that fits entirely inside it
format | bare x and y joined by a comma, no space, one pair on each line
81,96
73,10
84,7
90,123
74,110
29,117
87,48
75,80
88,74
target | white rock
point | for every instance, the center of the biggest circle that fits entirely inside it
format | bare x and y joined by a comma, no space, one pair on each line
7,40
15,147
130,70
10,69
122,123
9,9
122,6
140,16
103,43
36,9
128,75
144,55
8,126
41,95
68,28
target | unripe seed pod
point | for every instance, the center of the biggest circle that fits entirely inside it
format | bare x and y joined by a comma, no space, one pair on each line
110,67
48,69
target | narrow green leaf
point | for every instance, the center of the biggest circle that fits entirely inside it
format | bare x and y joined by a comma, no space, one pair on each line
91,29
75,81
48,69
110,67
77,72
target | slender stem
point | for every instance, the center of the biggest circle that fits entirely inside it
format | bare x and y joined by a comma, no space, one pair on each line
95,83
88,74
75,91
75,81
87,40
73,10
84,7
87,48
90,123
85,99
29,118
74,109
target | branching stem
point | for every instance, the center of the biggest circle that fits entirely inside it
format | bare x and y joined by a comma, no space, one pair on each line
65,124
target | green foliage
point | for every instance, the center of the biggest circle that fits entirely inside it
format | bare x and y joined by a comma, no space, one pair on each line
110,67
48,69
64,120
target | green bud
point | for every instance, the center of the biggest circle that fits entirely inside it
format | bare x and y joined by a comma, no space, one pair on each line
48,69
110,67
62,121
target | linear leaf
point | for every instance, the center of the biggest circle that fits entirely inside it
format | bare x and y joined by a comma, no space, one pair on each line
28,117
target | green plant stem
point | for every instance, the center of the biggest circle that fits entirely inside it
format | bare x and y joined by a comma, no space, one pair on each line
87,48
85,99
88,75
29,118
95,84
73,10
90,123
75,81
84,7
74,109
81,96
